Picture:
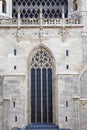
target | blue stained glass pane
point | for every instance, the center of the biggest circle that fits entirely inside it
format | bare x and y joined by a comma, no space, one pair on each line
44,86
38,95
36,84
50,95
32,95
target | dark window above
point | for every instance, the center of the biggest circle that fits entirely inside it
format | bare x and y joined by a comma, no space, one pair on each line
3,6
75,5
31,8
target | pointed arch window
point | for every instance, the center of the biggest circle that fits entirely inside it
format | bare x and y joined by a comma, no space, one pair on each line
75,5
3,6
41,87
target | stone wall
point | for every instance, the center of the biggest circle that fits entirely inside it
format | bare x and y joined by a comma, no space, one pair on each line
69,85
1,116
14,91
83,85
83,116
16,83
66,86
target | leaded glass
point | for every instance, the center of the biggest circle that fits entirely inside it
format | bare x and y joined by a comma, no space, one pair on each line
38,87
41,87
33,95
44,87
31,8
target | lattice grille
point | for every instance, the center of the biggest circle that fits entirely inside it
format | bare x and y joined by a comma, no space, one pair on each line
31,8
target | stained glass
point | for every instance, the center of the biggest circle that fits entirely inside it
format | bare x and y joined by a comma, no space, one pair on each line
41,87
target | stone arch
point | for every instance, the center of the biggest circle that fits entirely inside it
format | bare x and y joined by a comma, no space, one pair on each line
29,75
47,49
75,5
4,6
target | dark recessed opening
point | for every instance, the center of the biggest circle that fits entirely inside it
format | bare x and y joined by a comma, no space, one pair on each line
15,118
15,52
67,67
15,67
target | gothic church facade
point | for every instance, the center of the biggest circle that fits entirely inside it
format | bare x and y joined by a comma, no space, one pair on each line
43,63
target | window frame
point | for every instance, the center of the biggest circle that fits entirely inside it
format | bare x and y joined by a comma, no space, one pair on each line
4,6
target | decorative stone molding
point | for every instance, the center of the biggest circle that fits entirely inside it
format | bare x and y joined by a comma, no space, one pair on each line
64,31
64,34
41,35
76,97
83,101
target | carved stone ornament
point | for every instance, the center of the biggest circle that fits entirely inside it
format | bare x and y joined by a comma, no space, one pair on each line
41,35
83,102
41,59
64,34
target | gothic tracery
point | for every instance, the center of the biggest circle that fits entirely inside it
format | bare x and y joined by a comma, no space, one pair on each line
42,59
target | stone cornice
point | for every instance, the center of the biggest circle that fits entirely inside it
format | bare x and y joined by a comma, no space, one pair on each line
37,26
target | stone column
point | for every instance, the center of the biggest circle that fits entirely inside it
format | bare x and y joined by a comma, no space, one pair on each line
83,5
84,46
83,8
0,6
56,104
70,7
1,87
1,114
8,8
